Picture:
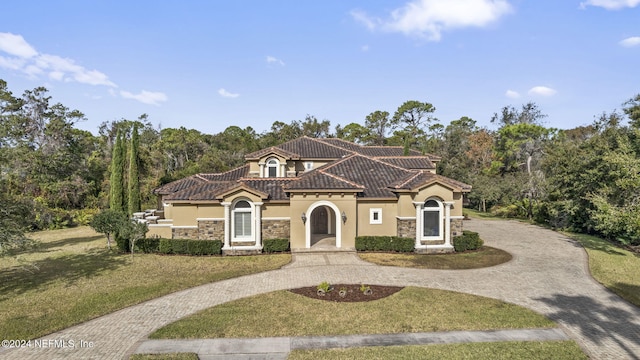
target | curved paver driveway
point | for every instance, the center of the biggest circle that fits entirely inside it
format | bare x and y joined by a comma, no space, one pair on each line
548,274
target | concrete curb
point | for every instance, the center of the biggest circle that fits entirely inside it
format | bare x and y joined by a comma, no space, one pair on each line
283,345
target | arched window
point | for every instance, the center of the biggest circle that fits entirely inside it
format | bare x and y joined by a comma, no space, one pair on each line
242,215
272,168
432,220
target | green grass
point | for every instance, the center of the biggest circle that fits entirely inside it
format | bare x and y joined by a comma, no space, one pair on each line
556,350
170,356
409,310
484,257
616,268
36,287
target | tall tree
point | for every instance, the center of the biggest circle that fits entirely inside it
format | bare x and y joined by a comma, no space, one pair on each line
134,172
378,123
116,183
410,119
353,132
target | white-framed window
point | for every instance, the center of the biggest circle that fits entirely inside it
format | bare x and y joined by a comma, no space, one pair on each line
308,165
375,216
272,168
242,220
432,220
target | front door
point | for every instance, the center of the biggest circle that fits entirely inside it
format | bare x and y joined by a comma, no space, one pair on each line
319,221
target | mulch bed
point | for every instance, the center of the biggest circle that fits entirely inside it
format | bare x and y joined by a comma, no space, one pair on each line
353,292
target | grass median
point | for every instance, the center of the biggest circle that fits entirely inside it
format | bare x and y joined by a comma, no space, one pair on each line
73,278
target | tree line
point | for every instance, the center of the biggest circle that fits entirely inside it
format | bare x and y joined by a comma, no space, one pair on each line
586,179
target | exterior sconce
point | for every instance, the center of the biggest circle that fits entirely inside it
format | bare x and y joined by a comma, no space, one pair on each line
304,218
344,217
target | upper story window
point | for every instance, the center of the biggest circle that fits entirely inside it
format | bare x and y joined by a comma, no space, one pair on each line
272,168
375,216
308,165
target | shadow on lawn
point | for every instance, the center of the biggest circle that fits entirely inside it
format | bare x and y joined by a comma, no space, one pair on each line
68,269
597,321
46,247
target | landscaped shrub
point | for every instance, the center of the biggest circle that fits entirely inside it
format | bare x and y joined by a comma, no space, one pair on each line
204,247
384,243
469,240
180,246
165,246
275,245
149,245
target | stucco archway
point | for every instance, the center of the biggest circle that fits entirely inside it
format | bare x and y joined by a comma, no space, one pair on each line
335,220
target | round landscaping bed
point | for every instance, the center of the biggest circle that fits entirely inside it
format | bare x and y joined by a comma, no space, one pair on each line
349,292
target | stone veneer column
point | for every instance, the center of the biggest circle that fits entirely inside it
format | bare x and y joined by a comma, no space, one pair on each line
447,222
227,221
418,206
258,223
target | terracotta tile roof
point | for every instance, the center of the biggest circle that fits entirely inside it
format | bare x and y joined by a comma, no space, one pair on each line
373,151
303,147
272,186
212,190
319,180
179,185
425,177
409,162
374,175
233,174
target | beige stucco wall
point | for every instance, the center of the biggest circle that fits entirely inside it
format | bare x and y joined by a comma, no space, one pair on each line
300,203
389,223
162,231
184,214
241,194
210,211
276,210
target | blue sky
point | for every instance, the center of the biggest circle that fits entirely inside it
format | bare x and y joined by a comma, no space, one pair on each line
211,64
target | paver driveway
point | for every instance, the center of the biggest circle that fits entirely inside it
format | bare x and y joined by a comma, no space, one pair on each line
548,274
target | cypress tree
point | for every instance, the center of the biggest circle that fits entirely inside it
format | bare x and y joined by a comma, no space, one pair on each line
134,178
116,186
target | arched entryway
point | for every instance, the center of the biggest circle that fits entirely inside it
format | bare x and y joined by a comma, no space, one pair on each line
323,225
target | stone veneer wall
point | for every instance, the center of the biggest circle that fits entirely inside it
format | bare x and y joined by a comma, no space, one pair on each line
456,227
407,228
184,233
276,229
211,230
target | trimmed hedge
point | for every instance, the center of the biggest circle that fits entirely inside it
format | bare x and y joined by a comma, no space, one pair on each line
190,247
204,247
469,240
275,245
384,243
148,245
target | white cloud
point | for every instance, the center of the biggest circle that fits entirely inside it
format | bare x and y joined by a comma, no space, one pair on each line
429,18
273,60
512,94
364,48
630,42
542,91
364,19
225,93
16,45
146,97
610,4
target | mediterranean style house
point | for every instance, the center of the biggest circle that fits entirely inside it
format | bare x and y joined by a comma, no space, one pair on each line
316,193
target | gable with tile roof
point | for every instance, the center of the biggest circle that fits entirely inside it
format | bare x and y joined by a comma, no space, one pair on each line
318,193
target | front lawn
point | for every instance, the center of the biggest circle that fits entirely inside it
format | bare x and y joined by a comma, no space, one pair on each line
483,257
557,350
73,278
409,310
